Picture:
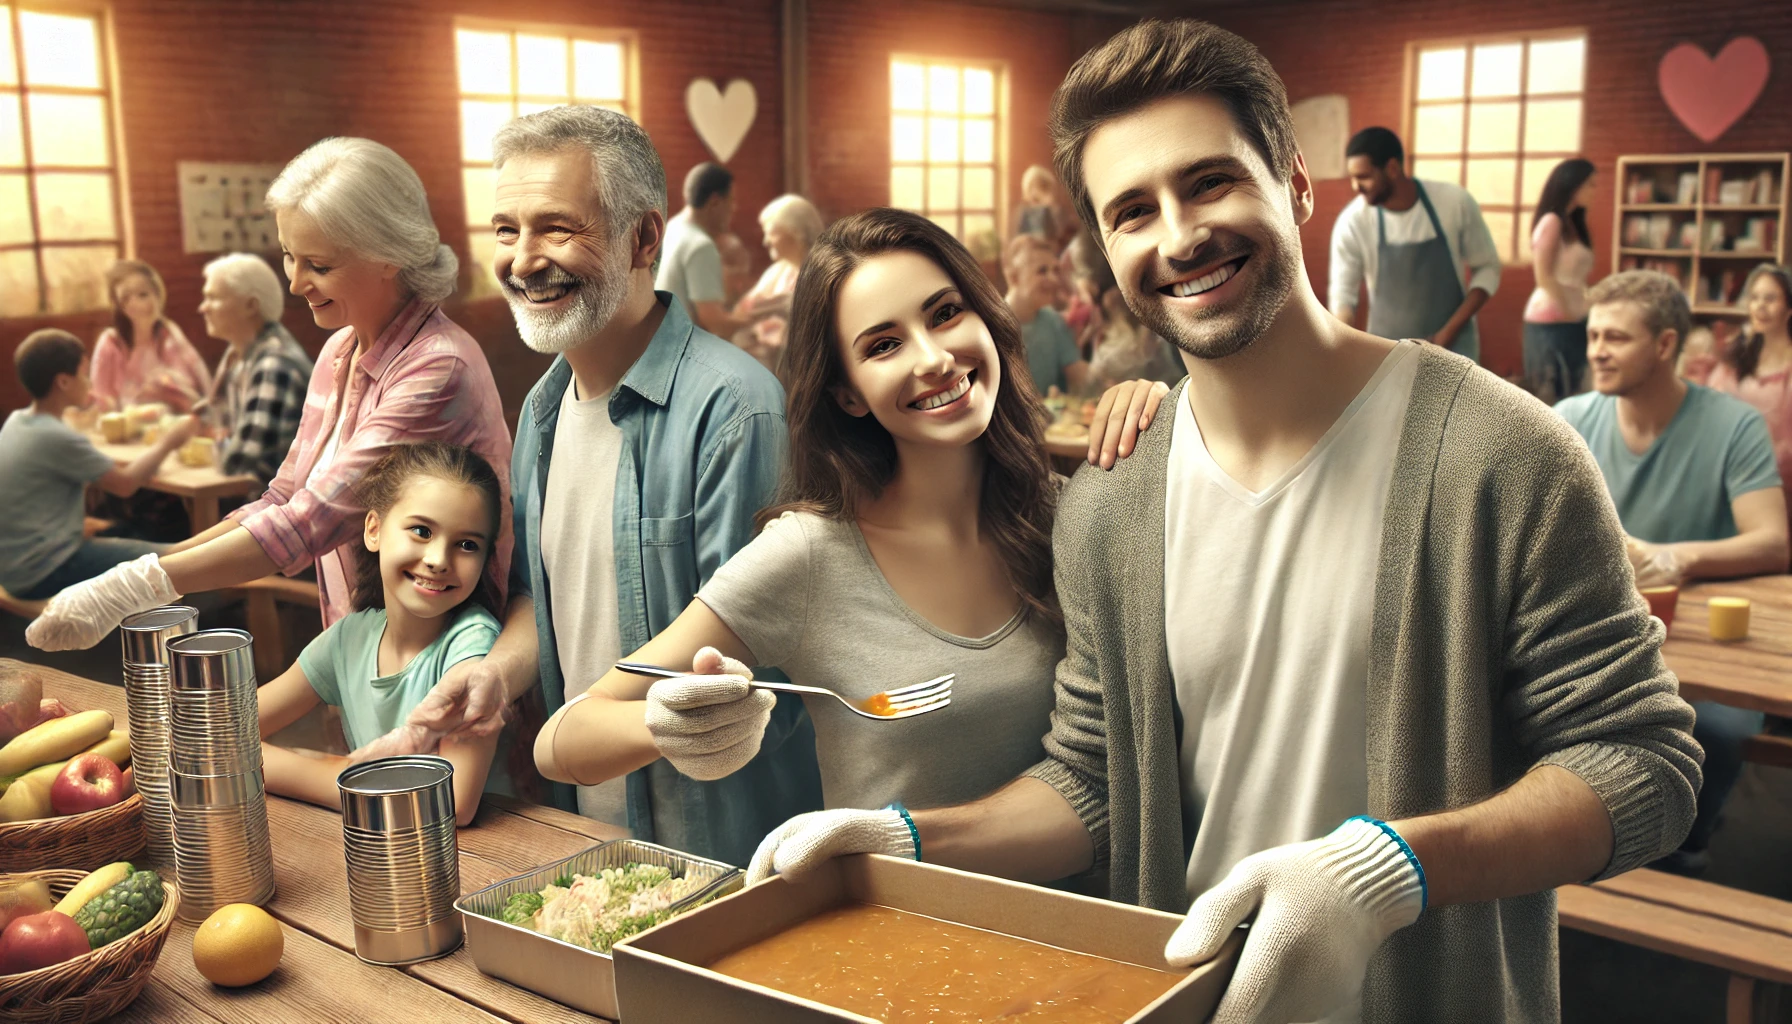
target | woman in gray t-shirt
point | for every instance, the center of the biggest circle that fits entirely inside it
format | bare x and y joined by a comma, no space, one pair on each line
914,540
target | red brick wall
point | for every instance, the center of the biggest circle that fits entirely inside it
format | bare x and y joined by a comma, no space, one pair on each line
1357,47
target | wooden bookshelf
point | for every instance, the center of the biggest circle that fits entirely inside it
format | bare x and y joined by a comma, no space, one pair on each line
1658,187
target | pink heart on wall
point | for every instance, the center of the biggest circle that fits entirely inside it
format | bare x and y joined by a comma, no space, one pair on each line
1708,94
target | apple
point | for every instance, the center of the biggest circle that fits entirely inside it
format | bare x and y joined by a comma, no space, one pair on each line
22,899
40,941
130,783
87,783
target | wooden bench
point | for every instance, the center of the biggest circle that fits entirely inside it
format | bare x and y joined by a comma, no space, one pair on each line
262,599
1769,749
1747,935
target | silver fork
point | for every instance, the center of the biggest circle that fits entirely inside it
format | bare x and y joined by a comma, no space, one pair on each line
903,702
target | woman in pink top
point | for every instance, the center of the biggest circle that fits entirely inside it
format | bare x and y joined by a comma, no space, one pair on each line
143,356
1758,364
1555,318
361,250
791,225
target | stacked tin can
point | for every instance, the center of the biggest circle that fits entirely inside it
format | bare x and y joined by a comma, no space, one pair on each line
147,704
221,849
403,863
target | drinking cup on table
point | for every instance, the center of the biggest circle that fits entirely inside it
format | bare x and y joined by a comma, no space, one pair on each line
1662,602
1728,618
115,427
199,452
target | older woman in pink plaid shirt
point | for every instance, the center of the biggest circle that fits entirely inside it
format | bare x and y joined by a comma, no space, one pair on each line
361,249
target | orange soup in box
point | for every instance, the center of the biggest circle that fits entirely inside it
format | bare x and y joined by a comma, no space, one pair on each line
881,939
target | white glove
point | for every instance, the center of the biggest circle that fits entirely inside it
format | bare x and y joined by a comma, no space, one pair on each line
805,841
709,725
1656,565
474,701
83,614
1322,909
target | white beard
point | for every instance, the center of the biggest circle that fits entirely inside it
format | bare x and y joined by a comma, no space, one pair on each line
593,304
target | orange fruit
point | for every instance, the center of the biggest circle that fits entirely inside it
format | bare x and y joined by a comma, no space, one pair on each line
240,944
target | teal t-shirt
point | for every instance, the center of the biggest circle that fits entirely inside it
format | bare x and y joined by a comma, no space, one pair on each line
1051,346
1715,449
342,665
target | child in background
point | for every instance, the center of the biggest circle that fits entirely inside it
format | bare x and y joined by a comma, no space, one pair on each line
45,467
421,607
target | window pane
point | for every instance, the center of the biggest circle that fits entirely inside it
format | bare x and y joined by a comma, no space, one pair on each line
9,74
1434,168
75,207
525,109
1500,224
75,276
907,139
1491,182
908,86
481,185
1437,129
948,221
15,210
484,59
479,121
1493,127
68,131
1556,65
12,139
1441,73
942,188
18,283
942,89
540,66
597,70
906,188
481,243
1496,69
1536,172
979,141
60,49
980,237
979,91
942,139
1552,125
979,188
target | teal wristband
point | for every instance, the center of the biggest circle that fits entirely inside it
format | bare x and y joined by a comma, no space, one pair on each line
913,832
1411,857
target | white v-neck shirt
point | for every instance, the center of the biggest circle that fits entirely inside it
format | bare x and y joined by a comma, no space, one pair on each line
1267,609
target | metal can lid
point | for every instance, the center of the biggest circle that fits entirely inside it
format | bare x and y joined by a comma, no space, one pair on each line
396,794
144,633
210,641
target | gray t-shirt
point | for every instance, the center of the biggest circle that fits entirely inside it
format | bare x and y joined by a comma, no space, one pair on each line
44,468
1051,346
690,264
807,597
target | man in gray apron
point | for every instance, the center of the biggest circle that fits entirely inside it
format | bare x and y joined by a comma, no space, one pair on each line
1415,267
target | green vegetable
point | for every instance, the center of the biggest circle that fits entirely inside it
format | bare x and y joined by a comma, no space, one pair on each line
122,909
520,908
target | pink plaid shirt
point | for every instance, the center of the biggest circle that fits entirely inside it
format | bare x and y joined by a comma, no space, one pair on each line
425,379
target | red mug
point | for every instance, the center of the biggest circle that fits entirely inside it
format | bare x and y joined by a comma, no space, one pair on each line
1662,601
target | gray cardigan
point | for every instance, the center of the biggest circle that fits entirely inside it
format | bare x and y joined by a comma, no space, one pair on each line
1507,633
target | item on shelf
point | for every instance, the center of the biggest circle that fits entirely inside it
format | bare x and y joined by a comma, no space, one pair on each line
1714,178
1641,190
1688,191
1733,193
1764,191
1689,235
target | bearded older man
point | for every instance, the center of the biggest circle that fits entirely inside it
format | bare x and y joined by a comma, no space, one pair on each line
642,456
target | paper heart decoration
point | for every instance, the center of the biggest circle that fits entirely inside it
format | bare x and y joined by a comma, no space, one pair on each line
1709,95
721,117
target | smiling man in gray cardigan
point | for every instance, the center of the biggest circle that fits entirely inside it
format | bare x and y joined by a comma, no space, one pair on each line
1350,581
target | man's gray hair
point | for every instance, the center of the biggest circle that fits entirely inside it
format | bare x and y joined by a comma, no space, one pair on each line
365,198
1659,296
630,178
250,277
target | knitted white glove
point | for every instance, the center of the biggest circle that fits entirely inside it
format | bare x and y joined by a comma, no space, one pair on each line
709,725
805,841
1322,909
1656,565
83,614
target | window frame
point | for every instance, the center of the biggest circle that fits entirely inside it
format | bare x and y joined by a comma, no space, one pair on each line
999,155
123,240
1520,252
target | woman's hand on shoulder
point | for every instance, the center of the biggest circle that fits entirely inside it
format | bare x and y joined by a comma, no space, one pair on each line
1125,411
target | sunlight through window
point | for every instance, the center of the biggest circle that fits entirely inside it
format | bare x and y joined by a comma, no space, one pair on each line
945,146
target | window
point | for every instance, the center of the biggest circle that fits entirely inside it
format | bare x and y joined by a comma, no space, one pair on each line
946,146
60,213
1495,116
506,72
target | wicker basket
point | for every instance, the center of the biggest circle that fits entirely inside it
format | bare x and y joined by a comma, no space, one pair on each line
92,986
84,841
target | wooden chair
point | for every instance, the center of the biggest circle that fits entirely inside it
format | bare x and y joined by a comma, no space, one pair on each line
1747,935
262,598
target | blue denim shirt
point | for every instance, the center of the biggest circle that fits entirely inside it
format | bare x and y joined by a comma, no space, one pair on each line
703,446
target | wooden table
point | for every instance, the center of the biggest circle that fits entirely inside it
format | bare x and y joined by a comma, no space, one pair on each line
319,978
199,486
1755,673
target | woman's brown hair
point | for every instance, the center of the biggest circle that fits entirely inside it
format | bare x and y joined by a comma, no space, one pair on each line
1745,353
385,483
118,273
838,460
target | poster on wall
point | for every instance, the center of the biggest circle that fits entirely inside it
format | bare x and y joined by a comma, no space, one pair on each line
221,207
1322,128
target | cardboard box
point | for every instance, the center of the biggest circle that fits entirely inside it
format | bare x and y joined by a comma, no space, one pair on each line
660,978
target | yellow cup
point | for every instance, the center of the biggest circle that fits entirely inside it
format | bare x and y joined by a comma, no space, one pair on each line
1729,618
115,427
199,452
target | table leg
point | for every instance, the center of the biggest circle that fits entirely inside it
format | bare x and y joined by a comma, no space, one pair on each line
203,511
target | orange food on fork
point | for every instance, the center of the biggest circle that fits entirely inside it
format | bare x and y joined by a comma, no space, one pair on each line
880,705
